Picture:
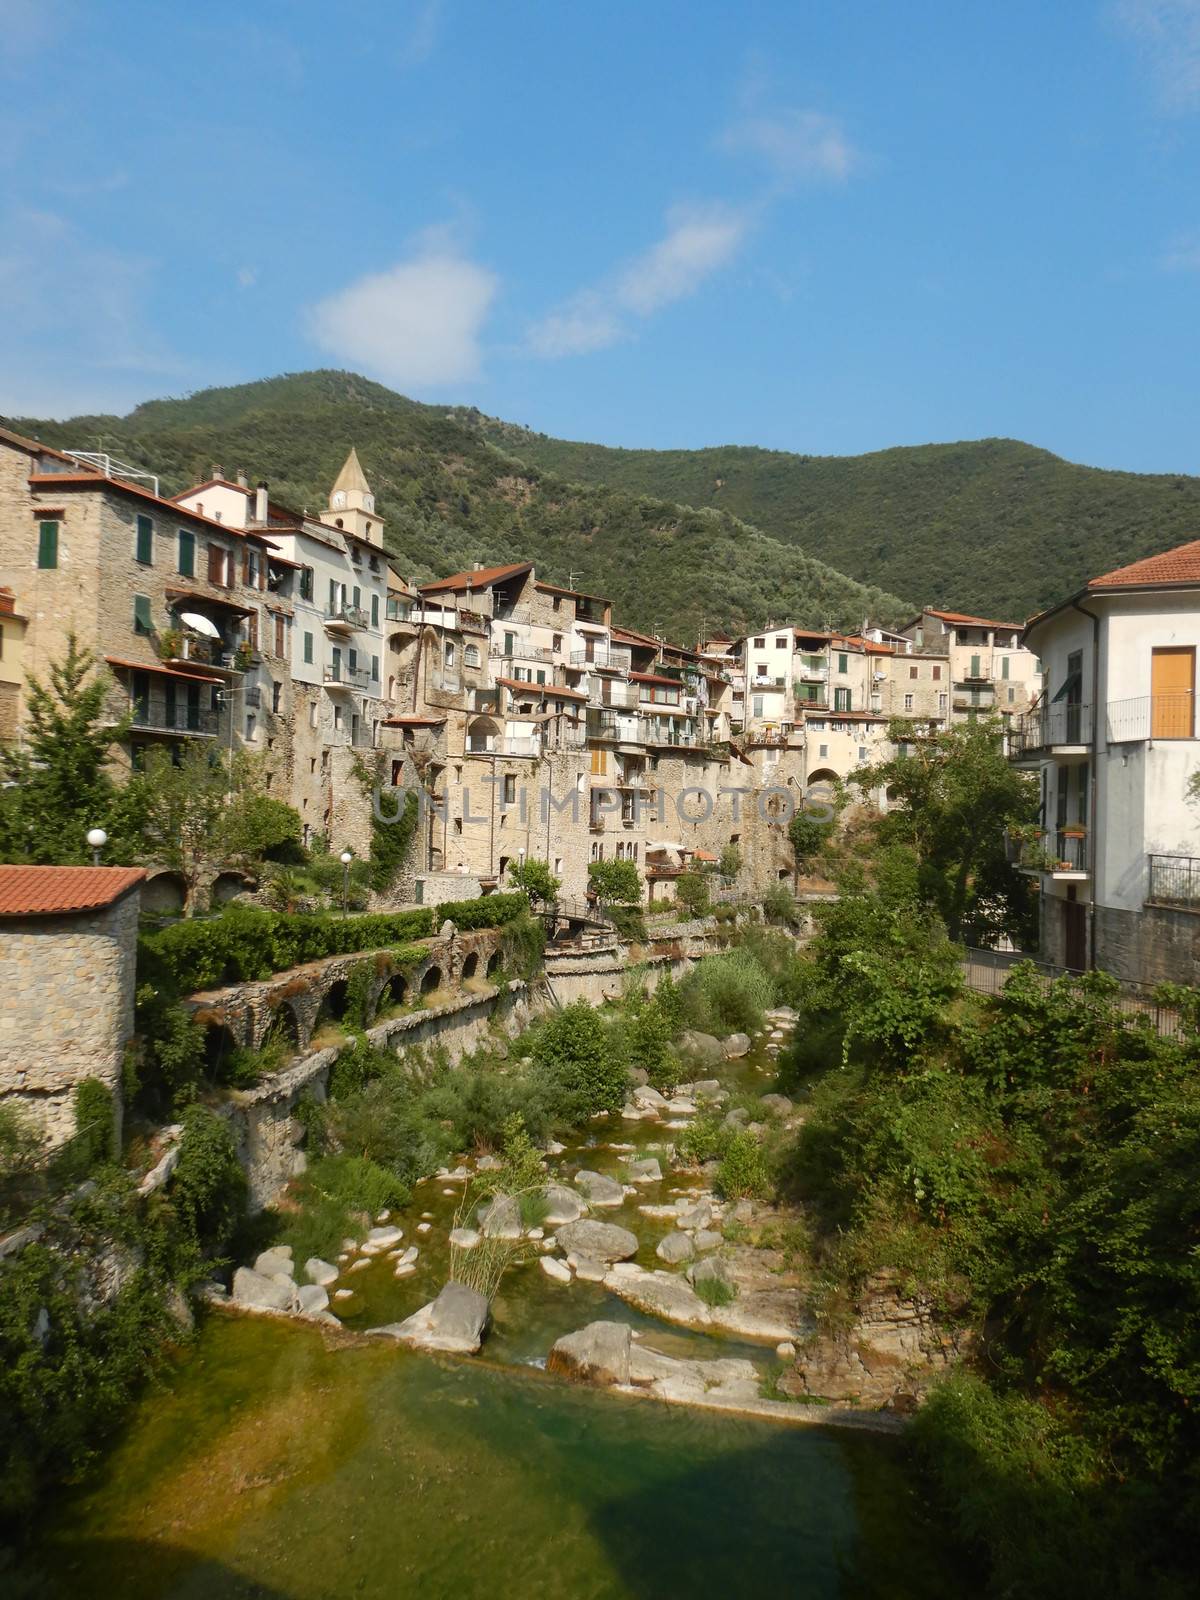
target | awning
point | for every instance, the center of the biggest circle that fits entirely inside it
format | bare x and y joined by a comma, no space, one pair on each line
193,597
413,721
164,672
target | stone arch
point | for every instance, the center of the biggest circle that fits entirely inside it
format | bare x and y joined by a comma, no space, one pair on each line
334,1002
482,733
164,894
219,1046
395,991
228,885
470,964
431,979
282,1024
823,775
494,963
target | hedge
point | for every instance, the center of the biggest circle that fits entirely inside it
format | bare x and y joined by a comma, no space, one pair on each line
245,944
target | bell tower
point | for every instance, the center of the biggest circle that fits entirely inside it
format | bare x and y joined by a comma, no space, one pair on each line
351,503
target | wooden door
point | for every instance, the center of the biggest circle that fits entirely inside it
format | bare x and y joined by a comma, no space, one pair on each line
1075,935
1172,692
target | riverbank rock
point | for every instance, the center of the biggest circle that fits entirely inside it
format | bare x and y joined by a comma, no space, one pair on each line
691,1218
254,1289
588,1269
562,1205
320,1272
676,1247
737,1044
596,1354
701,1047
274,1261
711,1270
603,1241
769,1314
645,1170
556,1270
310,1299
454,1322
464,1238
599,1190
647,1098
383,1238
778,1103
500,1218
706,1089
708,1239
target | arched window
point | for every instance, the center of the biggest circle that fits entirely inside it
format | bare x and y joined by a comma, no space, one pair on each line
471,655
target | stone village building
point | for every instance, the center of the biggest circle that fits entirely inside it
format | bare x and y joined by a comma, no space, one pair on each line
68,938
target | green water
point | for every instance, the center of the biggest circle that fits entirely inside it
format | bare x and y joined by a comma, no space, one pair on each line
271,1465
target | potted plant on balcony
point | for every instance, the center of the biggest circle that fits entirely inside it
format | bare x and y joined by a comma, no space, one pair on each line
170,643
243,657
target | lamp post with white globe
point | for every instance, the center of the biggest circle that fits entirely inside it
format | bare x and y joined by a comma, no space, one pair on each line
347,856
97,839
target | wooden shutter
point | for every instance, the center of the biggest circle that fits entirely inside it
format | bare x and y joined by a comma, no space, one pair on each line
216,564
280,635
1172,686
252,629
187,553
47,544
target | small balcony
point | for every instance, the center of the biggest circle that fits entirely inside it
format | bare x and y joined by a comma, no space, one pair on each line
339,676
1060,853
149,717
521,652
620,696
1059,729
1168,715
346,619
603,658
761,680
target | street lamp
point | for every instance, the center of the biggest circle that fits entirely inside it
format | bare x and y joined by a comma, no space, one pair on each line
346,857
97,839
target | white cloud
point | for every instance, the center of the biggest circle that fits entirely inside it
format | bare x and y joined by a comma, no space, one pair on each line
417,325
1168,32
699,240
795,144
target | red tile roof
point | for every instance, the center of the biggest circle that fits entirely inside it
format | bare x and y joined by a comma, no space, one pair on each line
49,891
481,579
654,677
183,671
1181,565
555,690
961,618
97,480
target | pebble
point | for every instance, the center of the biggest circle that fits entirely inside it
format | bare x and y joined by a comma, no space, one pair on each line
559,1271
423,1227
427,1216
383,1216
785,1351
464,1238
404,1269
342,1294
536,1233
447,1191
357,1266
410,1255
345,1256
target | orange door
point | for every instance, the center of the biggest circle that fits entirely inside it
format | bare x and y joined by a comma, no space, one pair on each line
1172,686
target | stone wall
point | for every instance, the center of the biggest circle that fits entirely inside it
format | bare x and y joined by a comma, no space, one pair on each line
68,985
1155,945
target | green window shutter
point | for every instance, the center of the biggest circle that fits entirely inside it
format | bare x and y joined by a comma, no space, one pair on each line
141,614
187,553
375,669
145,540
374,610
308,648
974,666
1004,667
843,663
47,544
353,659
357,597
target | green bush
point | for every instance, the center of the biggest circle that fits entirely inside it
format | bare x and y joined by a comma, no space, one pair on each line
208,1190
357,1183
95,1124
575,1055
727,993
691,894
743,1172
715,1291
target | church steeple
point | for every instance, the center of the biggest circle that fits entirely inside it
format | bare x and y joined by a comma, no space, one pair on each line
351,503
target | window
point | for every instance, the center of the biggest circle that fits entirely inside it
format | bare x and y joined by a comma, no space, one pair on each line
508,795
374,669
841,699
824,752
862,752
250,725
141,614
913,672
357,598
280,635
937,674
374,610
306,583
1012,695
1172,686
250,568
781,643
47,544
448,654
1004,666
144,541
471,655
756,705
353,659
942,701
975,667
312,715
308,648
276,696
216,564
760,644
337,722
843,663
186,561
908,702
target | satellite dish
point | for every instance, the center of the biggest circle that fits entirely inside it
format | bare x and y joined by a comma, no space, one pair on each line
200,624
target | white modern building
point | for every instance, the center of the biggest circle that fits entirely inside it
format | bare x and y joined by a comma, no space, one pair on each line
1113,738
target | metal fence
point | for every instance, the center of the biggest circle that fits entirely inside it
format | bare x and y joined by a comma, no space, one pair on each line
1174,881
1170,714
987,971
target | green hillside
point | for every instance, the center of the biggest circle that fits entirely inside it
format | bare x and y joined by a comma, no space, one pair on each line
991,526
449,498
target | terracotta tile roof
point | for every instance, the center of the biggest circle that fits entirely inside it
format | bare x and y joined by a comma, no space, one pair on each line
415,720
962,619
183,671
48,891
97,480
1181,565
481,579
655,677
554,690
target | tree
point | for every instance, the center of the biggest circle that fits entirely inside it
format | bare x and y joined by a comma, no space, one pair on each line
951,802
807,834
58,785
691,892
536,879
731,861
615,882
207,812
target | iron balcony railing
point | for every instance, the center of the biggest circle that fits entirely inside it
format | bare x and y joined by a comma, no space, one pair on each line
1062,849
986,972
1048,726
521,652
150,717
350,677
620,696
1174,881
604,658
1168,715
347,615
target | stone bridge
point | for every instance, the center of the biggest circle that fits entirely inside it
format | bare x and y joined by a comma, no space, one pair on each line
295,1004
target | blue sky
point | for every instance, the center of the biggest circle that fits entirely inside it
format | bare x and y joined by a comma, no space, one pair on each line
823,228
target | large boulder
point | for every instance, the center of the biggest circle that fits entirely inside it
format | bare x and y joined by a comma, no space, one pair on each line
455,1321
647,1098
645,1170
500,1218
276,1260
563,1205
778,1103
253,1289
311,1299
714,1269
676,1247
557,1271
701,1048
737,1044
598,1353
601,1241
320,1272
599,1190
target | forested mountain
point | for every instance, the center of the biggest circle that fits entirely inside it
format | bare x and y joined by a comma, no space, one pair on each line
991,526
449,498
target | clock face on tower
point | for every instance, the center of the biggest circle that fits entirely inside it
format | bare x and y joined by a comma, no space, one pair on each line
339,500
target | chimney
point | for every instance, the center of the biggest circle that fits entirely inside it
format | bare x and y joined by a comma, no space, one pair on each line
241,481
260,503
216,470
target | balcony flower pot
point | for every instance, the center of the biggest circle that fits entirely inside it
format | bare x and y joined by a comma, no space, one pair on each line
1078,832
